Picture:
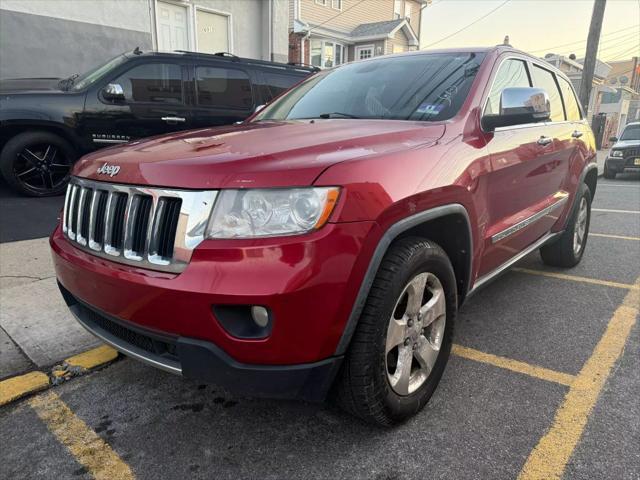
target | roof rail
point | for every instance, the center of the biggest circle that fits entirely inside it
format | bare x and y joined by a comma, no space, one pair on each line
300,64
234,58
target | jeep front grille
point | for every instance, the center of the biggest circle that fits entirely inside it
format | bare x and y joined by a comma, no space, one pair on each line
147,227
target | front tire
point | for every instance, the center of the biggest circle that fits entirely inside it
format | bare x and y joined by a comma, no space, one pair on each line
403,339
37,163
567,251
608,173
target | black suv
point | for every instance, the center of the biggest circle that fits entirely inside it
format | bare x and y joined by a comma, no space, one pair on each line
46,124
624,155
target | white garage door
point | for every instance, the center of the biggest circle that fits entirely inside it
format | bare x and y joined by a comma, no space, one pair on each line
213,32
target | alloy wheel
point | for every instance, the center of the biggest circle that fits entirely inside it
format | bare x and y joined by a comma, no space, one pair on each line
580,230
415,333
41,168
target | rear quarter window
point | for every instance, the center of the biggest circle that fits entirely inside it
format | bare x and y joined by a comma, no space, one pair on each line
223,88
570,101
275,83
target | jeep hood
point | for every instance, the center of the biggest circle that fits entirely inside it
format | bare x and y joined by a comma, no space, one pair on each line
264,154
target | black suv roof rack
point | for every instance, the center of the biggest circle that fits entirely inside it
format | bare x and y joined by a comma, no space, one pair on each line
252,61
306,65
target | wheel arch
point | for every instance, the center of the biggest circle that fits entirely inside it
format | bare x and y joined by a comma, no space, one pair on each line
10,130
448,225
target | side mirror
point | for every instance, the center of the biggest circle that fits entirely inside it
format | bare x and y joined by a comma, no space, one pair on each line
113,92
613,139
519,105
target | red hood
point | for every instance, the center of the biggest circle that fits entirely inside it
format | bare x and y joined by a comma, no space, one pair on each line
265,154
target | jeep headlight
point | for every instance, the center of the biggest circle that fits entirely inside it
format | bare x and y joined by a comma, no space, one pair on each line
616,153
270,212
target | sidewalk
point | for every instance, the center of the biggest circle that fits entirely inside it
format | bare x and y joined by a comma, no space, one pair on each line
36,328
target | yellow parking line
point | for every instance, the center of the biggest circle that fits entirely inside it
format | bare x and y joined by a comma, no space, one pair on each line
513,365
610,210
619,237
16,387
574,278
83,443
93,358
549,458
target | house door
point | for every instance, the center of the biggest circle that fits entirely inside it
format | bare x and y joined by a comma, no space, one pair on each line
212,32
173,29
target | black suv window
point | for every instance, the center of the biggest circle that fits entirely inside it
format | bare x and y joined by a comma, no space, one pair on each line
545,79
223,87
276,83
152,82
512,73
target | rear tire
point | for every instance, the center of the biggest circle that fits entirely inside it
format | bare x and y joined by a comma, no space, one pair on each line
37,163
608,173
397,356
567,251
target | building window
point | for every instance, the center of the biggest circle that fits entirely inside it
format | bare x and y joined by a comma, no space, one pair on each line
322,2
336,4
326,54
397,8
364,52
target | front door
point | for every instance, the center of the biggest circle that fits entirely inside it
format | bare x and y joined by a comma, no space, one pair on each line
172,27
154,103
528,166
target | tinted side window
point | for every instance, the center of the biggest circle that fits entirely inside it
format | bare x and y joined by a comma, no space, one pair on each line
152,82
570,102
277,83
545,79
512,73
223,87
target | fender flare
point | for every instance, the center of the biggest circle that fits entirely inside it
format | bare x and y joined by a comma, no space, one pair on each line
587,168
383,245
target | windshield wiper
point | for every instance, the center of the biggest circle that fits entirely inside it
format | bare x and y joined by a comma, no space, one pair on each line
337,114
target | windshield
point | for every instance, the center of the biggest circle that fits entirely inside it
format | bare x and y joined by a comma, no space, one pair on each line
631,132
429,87
83,81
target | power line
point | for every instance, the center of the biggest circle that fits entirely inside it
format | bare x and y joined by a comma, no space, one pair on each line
584,41
467,26
627,52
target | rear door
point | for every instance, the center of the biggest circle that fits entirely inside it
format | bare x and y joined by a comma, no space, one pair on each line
154,103
222,94
528,165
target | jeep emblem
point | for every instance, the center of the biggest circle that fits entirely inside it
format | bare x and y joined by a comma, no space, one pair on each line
111,170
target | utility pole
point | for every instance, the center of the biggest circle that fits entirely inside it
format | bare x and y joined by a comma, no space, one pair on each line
589,65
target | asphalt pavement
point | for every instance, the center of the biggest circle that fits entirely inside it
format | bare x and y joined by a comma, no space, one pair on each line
544,383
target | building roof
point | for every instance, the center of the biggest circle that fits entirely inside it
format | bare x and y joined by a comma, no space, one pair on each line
376,28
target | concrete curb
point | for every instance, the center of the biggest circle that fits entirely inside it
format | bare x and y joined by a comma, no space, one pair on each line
15,388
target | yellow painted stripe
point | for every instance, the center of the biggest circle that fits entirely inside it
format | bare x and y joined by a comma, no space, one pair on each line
619,237
83,443
574,278
513,365
17,387
611,210
549,458
93,358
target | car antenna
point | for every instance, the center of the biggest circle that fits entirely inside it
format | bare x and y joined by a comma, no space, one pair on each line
137,51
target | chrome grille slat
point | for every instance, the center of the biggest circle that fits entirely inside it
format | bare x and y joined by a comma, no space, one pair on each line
147,227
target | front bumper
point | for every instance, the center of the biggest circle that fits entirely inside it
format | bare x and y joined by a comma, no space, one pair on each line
619,164
205,362
308,283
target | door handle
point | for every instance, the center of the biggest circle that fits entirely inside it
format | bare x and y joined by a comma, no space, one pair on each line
576,134
544,141
174,119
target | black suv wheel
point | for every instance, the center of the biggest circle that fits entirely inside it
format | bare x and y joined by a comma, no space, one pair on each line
37,163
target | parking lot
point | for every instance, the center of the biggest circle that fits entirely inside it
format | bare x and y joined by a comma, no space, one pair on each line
543,383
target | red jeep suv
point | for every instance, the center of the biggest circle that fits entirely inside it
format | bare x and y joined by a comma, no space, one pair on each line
324,245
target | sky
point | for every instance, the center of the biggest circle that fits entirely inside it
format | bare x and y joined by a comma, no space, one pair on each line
535,26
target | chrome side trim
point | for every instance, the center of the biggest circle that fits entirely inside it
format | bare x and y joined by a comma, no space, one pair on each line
481,281
108,140
126,349
529,220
